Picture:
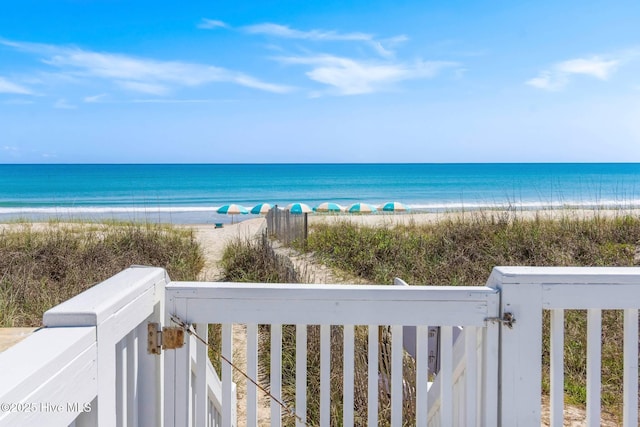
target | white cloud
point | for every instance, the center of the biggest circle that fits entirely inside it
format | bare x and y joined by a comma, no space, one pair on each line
595,67
9,87
350,77
95,98
62,104
141,75
560,74
10,148
284,31
209,24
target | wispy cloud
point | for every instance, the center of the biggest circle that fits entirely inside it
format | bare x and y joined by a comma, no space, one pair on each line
7,86
63,104
210,24
177,101
284,31
559,75
350,77
382,46
142,75
95,98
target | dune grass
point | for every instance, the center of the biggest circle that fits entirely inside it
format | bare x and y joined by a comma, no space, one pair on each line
464,251
40,268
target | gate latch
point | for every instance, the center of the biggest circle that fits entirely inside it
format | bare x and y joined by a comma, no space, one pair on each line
507,320
169,338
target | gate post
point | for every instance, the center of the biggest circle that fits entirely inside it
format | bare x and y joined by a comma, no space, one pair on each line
177,372
520,361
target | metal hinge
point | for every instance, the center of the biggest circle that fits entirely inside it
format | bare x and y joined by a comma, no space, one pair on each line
507,319
169,338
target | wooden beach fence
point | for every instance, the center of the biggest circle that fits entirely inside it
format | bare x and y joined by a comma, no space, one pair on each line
287,227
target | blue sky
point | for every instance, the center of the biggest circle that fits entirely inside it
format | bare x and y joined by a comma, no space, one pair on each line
319,81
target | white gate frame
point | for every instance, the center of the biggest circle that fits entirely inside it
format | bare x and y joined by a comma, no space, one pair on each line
474,377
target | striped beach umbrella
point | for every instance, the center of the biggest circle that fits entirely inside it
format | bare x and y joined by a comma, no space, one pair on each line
362,208
394,207
261,208
328,207
232,210
299,208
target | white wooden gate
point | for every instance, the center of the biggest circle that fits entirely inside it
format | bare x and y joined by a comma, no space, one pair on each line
464,394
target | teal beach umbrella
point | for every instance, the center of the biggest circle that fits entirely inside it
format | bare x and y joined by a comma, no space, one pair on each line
232,210
261,209
362,208
299,208
394,207
328,207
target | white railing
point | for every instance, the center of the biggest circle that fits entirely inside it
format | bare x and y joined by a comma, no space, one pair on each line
525,293
89,364
345,306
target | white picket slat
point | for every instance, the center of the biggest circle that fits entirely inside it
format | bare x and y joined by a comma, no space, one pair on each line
594,363
301,375
397,387
446,374
325,375
227,376
348,374
252,372
276,374
471,379
373,379
422,375
201,389
556,410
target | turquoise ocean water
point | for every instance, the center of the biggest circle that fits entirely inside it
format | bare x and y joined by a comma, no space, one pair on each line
189,193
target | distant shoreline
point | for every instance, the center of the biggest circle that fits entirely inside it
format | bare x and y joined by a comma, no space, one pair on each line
208,218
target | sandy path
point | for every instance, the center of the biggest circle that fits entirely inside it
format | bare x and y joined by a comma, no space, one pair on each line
213,241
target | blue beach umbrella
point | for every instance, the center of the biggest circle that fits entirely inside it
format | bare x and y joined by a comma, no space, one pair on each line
328,207
394,207
299,208
261,208
232,210
362,208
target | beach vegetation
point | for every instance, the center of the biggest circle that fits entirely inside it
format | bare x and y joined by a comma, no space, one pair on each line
41,267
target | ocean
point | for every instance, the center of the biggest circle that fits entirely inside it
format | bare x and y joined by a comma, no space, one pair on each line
190,193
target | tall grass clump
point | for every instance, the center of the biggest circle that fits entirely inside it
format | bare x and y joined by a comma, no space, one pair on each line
464,251
42,268
254,260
